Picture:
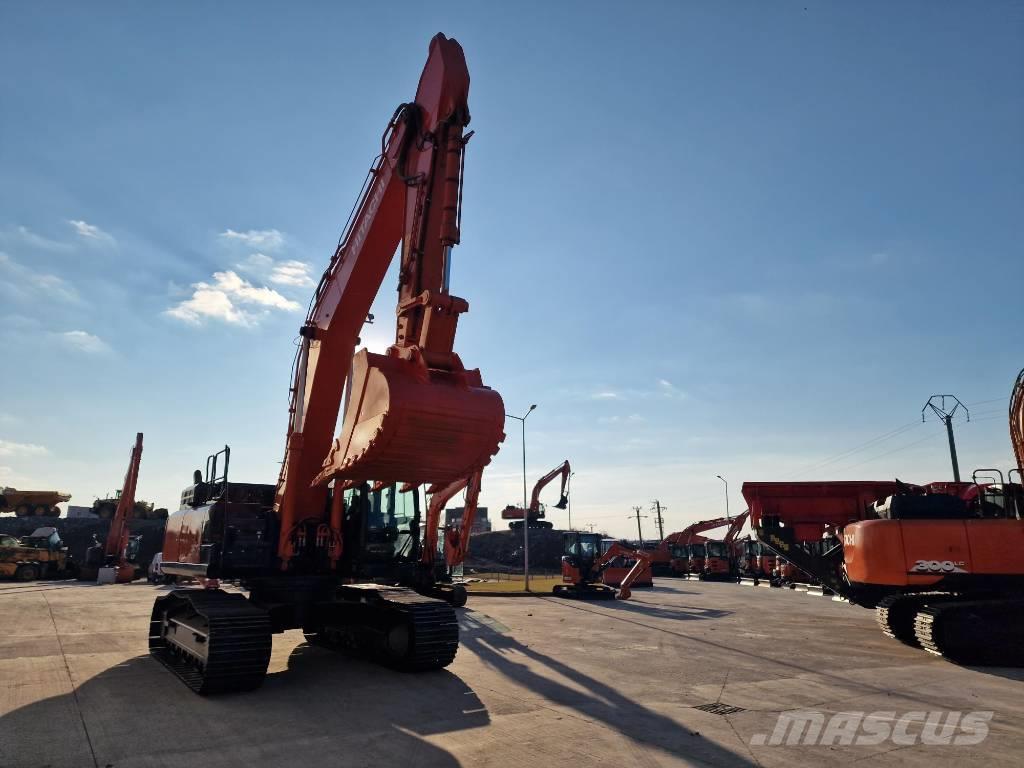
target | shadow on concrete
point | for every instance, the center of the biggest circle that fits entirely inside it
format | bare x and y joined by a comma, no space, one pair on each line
1009,673
637,605
319,710
598,701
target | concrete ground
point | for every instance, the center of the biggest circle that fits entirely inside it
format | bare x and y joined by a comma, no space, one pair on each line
537,682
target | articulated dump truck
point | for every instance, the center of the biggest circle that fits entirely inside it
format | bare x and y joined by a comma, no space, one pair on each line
28,503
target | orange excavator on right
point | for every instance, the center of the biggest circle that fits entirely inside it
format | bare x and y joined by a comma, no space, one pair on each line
941,563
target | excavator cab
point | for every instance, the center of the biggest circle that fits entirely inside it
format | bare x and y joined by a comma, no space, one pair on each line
381,529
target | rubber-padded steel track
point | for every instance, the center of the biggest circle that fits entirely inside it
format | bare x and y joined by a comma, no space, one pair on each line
974,632
236,651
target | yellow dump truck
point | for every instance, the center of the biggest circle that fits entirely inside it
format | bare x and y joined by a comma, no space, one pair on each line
26,503
39,556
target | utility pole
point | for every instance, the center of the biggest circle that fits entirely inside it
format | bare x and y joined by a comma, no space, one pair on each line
637,515
591,527
945,415
658,509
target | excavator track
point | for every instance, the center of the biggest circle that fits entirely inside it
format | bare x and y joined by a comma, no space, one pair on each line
213,641
584,591
393,626
974,632
896,614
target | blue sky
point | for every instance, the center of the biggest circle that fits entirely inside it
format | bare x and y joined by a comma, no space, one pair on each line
705,238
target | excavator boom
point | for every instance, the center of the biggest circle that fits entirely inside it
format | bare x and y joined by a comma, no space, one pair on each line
336,547
414,414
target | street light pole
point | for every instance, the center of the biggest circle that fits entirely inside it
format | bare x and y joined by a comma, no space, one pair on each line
727,517
526,510
568,492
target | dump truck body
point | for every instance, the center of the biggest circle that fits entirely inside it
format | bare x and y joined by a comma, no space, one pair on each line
26,503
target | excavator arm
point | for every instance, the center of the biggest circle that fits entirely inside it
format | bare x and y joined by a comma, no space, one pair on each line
415,414
643,563
117,537
456,538
736,526
562,469
1017,423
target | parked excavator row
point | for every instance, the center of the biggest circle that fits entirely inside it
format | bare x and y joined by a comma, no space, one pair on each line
690,552
940,563
339,547
535,514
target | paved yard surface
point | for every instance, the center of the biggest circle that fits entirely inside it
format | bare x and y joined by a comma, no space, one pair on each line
537,682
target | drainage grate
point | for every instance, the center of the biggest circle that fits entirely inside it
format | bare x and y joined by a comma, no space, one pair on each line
720,709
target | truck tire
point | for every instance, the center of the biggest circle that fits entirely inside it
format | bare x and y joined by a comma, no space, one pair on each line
26,572
23,510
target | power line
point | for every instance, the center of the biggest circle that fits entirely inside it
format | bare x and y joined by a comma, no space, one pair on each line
888,453
847,453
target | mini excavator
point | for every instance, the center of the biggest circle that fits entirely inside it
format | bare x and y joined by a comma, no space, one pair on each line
583,563
336,547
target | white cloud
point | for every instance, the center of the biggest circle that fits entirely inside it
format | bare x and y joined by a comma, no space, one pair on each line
230,299
91,232
84,342
8,448
289,272
633,418
667,389
292,272
606,395
25,280
27,237
265,239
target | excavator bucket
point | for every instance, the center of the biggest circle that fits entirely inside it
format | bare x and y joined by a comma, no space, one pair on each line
407,423
562,502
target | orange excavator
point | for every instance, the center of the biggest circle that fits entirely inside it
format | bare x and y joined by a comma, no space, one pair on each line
120,549
686,547
335,547
718,560
536,511
583,563
940,563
